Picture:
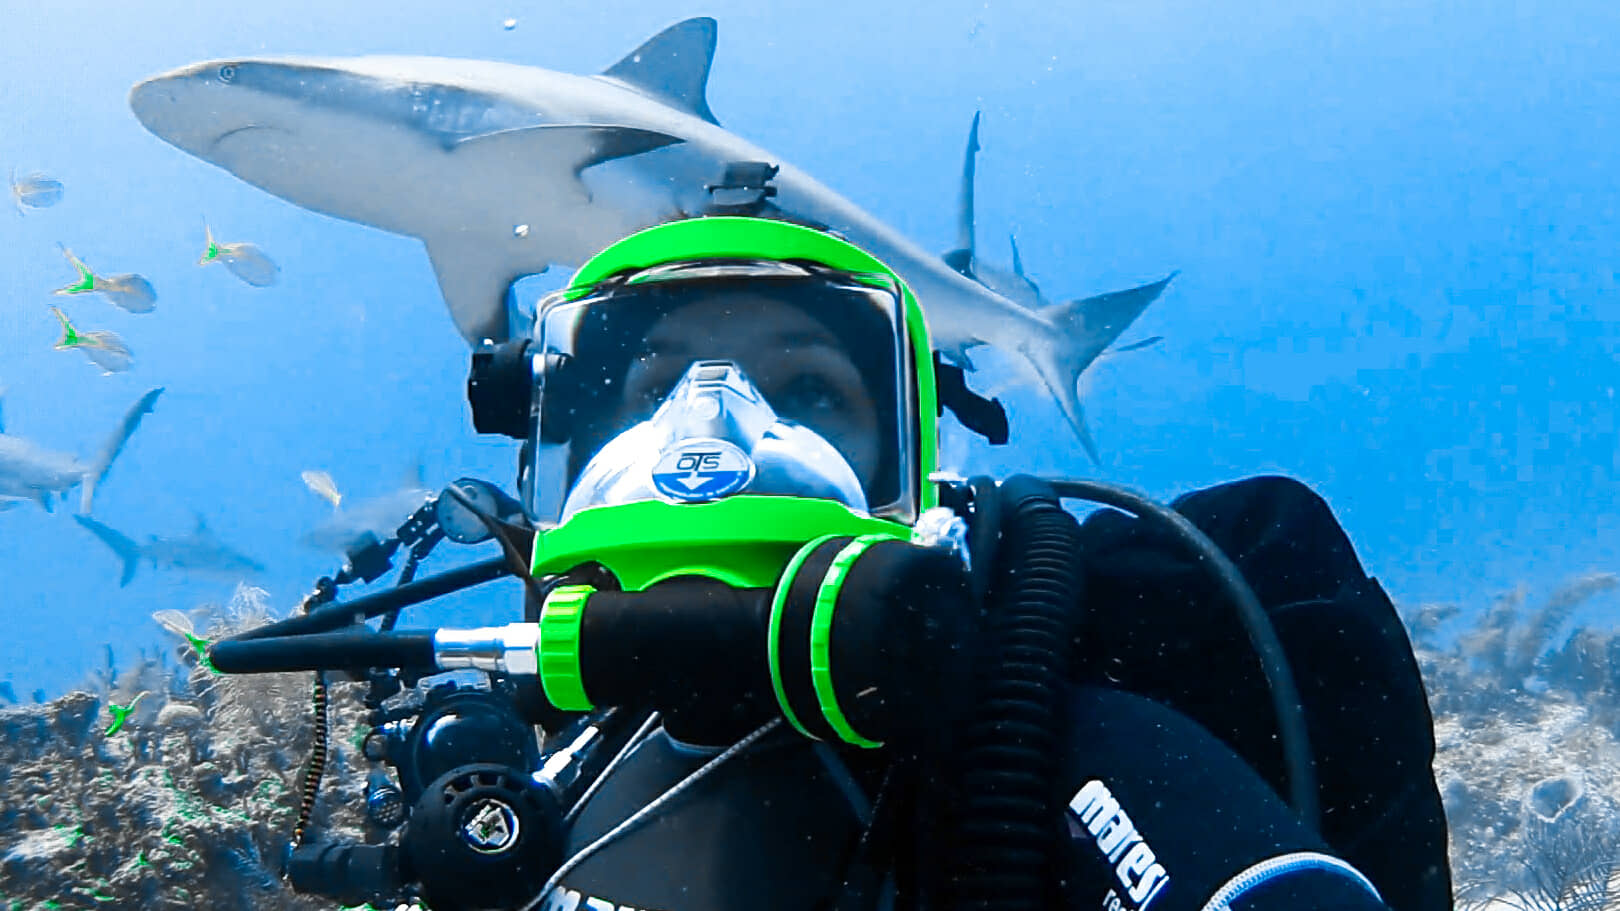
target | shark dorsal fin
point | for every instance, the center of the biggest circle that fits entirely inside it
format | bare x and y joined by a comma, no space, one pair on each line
673,66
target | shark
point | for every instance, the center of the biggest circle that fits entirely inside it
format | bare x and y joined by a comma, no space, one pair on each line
29,471
504,170
199,551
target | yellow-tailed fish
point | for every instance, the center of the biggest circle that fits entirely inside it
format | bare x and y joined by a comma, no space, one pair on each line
103,347
129,291
36,190
321,483
246,261
174,621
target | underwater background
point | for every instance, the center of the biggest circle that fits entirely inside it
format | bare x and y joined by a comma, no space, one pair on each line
1396,224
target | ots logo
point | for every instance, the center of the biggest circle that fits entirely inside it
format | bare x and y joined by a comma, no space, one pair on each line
703,469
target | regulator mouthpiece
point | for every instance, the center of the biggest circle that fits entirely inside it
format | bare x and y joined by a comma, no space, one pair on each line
715,435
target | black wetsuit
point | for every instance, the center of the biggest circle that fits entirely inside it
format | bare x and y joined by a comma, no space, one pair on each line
1157,630
1171,766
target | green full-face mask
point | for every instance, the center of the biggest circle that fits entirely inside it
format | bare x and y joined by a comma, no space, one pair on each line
713,393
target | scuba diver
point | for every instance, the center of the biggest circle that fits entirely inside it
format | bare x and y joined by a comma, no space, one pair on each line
780,662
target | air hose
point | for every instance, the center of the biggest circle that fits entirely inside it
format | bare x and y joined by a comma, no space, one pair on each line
1289,712
1004,843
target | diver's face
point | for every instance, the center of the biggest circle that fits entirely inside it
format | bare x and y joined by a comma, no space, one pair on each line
798,366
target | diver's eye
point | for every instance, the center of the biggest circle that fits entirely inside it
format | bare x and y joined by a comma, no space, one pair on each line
227,72
808,393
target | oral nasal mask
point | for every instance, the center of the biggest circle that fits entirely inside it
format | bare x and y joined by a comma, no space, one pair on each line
713,436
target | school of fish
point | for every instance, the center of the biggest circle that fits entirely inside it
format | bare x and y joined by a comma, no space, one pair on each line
31,473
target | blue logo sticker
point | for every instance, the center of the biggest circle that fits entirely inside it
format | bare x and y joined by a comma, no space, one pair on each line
699,470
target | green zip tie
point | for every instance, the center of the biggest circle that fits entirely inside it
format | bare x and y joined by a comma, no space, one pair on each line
821,638
774,632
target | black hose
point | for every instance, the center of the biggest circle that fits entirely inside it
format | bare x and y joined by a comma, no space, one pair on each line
1296,745
348,613
324,651
1004,849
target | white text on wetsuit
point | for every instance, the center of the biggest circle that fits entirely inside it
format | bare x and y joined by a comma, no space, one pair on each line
1138,870
562,899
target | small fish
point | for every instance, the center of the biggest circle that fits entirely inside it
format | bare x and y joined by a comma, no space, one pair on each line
103,346
380,515
181,625
121,714
36,190
509,24
246,261
129,291
321,484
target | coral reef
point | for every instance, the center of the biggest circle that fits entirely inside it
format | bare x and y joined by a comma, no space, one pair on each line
166,786
1527,733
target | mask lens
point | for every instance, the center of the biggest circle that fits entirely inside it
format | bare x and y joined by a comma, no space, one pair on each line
821,352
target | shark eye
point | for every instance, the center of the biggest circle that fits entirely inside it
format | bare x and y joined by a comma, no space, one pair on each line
227,72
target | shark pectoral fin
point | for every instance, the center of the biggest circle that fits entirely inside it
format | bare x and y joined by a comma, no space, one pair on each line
540,149
473,277
1138,346
958,354
673,66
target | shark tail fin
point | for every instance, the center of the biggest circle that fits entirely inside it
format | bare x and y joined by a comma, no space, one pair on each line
1085,328
114,445
128,551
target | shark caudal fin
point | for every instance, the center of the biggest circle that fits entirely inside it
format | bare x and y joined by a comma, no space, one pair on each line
1085,329
114,445
127,550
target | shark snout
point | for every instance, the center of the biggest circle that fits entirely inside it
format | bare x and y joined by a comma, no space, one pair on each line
148,99
190,107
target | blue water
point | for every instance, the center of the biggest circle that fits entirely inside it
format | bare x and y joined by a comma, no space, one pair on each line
1395,223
